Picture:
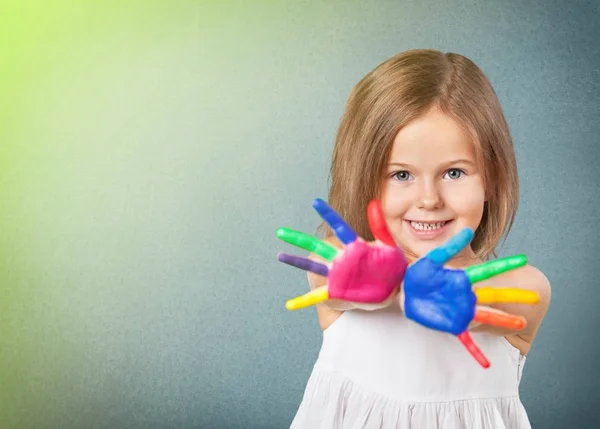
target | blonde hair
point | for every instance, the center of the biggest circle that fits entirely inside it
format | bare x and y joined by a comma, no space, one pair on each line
400,90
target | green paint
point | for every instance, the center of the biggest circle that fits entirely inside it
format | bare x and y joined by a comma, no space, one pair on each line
307,242
486,270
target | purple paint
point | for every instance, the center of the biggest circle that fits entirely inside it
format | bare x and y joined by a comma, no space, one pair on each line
303,263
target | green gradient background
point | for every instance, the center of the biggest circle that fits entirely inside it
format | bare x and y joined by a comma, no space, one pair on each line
150,149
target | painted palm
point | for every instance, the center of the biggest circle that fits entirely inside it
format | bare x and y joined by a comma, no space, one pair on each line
361,272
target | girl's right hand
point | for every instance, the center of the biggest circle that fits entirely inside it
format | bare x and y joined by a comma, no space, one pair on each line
362,275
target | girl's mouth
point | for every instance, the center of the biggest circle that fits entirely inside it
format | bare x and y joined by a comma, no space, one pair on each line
428,230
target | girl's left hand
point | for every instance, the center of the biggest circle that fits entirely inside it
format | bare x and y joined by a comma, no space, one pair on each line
444,299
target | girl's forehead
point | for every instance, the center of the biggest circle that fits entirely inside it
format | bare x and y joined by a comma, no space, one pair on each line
434,137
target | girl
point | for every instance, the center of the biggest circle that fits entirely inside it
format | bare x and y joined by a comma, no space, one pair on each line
425,135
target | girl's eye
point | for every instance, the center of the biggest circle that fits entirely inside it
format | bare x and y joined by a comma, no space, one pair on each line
454,173
402,176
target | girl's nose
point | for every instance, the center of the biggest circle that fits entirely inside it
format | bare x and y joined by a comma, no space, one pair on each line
429,199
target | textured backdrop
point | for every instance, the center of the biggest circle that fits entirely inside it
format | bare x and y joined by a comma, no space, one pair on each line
150,149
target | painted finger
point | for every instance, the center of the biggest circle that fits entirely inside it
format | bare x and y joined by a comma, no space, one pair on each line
451,248
484,271
313,297
377,223
472,348
341,229
491,295
501,320
307,242
303,263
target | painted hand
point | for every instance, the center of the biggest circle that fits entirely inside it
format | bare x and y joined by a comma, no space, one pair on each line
361,272
444,299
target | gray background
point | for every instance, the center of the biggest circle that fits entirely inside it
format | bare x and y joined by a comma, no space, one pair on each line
162,144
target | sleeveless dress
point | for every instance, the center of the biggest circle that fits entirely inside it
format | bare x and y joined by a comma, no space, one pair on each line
380,370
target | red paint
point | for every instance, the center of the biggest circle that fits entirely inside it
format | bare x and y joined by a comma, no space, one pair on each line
378,225
467,341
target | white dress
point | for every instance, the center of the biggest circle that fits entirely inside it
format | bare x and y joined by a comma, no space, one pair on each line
378,369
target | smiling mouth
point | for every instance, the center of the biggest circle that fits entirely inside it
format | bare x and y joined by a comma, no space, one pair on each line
428,226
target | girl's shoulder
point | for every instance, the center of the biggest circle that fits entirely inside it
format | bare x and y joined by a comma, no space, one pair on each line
532,278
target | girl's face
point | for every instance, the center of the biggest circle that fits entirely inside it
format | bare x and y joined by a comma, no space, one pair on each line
432,187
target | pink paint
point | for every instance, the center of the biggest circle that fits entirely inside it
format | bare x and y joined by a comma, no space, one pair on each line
366,273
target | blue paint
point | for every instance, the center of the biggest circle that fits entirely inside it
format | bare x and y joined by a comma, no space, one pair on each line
341,229
437,297
452,247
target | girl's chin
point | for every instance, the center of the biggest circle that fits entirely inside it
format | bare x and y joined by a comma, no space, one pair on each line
417,251
418,248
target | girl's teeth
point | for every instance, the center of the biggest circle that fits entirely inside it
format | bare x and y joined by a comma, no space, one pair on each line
427,226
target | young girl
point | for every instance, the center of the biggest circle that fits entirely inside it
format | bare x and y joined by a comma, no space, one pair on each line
425,135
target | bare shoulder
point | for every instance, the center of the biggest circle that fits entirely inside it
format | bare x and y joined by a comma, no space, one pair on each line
531,278
528,278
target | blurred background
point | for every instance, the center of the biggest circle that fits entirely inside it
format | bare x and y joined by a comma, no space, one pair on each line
150,149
